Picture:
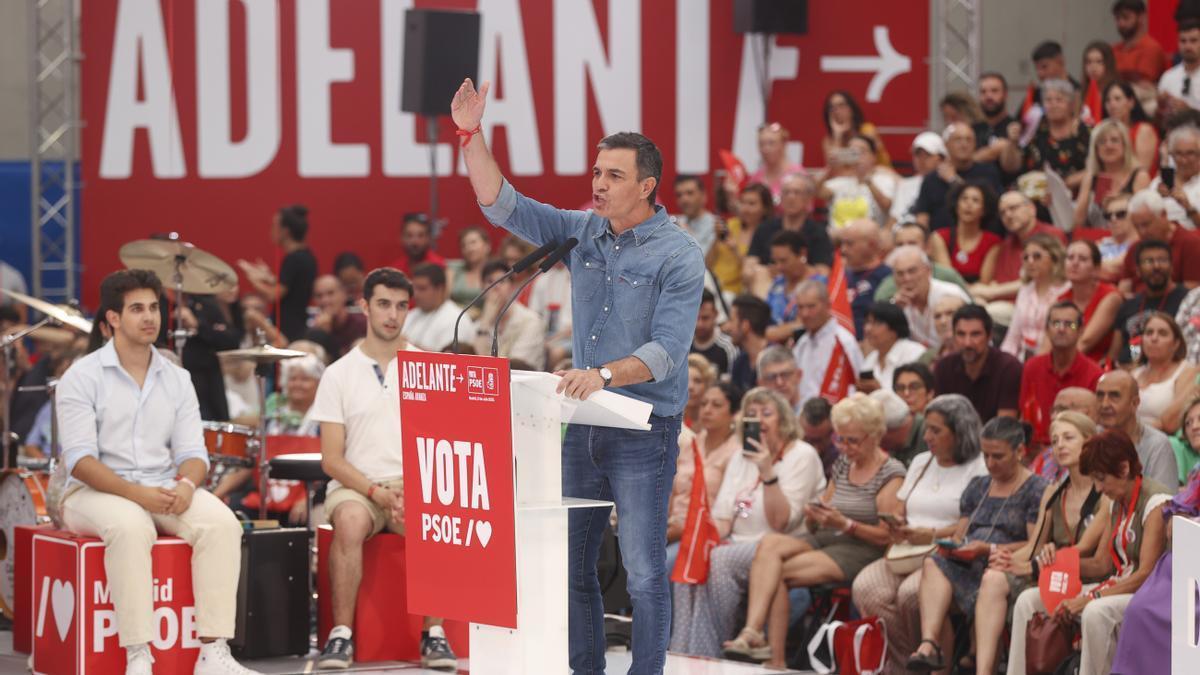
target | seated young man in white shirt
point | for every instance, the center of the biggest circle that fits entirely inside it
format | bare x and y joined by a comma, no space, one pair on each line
358,407
134,452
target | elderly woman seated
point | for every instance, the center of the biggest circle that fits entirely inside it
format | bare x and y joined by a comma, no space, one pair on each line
764,489
844,531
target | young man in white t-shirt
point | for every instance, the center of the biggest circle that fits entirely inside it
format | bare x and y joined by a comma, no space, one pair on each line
358,407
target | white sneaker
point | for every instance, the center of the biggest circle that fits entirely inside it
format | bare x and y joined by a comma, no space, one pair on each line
138,661
215,659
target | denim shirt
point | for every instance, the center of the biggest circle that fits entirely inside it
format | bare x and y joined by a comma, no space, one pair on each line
636,293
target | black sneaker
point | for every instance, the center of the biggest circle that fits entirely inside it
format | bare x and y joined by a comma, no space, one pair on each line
338,653
437,655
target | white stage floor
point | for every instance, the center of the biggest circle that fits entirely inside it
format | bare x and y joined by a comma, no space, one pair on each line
618,663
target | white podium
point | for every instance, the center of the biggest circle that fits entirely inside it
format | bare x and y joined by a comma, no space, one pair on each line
1185,586
539,644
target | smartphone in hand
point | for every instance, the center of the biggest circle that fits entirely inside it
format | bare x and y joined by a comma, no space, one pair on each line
751,428
892,520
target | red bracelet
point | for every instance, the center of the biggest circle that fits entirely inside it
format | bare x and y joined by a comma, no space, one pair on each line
466,135
371,491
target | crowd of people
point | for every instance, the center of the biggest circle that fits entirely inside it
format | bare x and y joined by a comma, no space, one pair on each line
1023,382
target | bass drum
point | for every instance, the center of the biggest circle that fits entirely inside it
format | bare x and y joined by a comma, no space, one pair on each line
23,501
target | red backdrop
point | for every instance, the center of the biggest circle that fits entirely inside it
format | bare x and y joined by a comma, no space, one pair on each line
144,172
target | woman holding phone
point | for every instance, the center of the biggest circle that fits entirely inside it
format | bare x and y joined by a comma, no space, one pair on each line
996,511
844,531
928,510
764,490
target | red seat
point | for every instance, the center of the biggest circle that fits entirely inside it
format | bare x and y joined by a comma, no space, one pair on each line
383,629
74,627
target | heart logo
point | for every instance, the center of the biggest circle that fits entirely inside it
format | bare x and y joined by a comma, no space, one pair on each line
483,528
62,602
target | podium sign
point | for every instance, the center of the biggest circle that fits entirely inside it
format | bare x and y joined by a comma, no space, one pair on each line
459,513
1185,595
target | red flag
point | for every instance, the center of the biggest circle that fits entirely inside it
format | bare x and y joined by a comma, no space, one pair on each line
1030,100
839,297
1093,110
839,376
734,168
700,534
1035,415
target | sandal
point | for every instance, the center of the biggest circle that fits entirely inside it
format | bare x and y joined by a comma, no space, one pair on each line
921,663
750,645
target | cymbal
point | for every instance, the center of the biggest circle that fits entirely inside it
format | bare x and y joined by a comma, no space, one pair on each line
203,273
64,314
262,354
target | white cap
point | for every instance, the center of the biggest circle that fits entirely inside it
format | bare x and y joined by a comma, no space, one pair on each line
929,142
895,410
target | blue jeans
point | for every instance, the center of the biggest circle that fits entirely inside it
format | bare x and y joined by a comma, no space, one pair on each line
635,470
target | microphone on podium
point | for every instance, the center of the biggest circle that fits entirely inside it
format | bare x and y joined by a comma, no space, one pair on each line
520,266
551,260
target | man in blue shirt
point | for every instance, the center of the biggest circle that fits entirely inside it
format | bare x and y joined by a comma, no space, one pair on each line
636,281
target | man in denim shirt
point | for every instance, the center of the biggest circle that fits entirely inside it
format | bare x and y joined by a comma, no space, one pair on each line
636,281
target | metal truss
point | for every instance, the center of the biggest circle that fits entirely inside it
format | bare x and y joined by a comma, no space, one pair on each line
53,124
954,65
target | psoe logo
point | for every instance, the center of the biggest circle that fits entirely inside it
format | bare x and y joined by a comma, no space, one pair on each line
59,598
483,381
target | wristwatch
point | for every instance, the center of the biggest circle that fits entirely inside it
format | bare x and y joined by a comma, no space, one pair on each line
605,374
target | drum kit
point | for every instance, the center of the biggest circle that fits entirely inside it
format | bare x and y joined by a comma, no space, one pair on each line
26,497
29,487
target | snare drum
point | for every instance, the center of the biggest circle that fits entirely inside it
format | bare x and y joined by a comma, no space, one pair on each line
22,502
228,443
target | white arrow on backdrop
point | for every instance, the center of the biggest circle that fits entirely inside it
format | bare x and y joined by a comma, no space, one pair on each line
887,65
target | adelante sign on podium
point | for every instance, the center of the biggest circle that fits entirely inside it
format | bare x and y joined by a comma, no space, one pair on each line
459,507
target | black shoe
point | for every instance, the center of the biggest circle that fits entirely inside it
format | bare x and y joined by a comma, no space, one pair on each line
338,653
436,654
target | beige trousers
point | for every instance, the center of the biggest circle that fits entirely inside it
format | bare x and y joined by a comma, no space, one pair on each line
1100,622
895,599
129,531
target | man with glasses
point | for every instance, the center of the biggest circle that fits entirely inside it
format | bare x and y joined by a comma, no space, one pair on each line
1178,88
690,197
1148,214
1019,216
777,370
1063,366
1161,294
1182,196
917,292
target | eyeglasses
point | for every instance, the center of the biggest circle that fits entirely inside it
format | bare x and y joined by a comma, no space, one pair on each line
1032,256
849,441
911,388
1063,323
1116,215
781,376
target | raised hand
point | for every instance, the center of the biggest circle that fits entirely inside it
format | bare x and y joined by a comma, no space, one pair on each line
466,108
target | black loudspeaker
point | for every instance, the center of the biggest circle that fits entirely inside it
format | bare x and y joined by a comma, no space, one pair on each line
273,600
779,17
440,49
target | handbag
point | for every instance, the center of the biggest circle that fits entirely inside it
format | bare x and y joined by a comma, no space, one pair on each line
851,647
1049,640
904,559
